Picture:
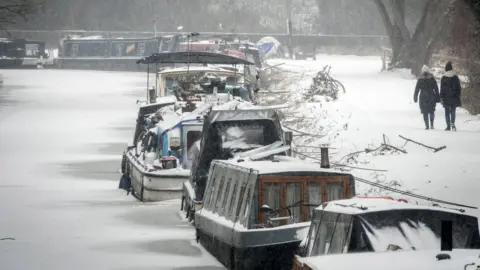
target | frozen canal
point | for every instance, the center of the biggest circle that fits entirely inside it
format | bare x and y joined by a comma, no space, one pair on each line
61,138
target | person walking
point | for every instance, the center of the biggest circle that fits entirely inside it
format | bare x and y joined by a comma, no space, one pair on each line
427,89
450,91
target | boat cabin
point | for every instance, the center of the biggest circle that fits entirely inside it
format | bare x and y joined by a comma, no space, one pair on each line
95,47
227,132
205,80
383,224
256,207
144,113
171,136
201,81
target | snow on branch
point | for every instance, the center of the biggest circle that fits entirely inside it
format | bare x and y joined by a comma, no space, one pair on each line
324,85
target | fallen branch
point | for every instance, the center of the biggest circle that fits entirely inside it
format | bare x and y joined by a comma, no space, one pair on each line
340,165
395,148
435,149
358,168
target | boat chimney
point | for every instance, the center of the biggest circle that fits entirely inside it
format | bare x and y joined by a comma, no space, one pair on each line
152,96
288,141
324,161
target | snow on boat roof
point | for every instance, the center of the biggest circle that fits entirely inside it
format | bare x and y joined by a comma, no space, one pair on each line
353,206
196,68
394,260
162,100
270,167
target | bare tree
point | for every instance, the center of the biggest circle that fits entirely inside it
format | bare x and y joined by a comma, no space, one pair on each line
413,51
12,10
465,43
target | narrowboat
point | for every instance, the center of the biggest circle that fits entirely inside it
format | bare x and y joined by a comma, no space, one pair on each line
203,73
23,54
255,213
226,133
368,225
112,54
159,161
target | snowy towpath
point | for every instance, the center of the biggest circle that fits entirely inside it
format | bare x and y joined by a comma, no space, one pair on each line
378,103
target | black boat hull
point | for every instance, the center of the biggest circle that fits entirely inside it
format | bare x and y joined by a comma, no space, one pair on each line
274,257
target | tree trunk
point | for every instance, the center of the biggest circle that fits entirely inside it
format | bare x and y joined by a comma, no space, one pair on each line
412,52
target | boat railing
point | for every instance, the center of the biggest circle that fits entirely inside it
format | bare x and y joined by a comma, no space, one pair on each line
273,220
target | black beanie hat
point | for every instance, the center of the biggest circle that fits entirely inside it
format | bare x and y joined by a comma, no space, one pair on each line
448,66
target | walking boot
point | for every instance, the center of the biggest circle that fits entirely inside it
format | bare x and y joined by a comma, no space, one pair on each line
454,128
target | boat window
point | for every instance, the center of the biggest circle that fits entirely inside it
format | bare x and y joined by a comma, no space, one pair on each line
247,206
192,137
219,192
325,233
141,49
166,44
314,197
209,190
226,193
293,195
271,195
335,191
340,235
358,239
313,232
242,136
240,202
418,228
129,49
253,219
232,202
150,48
214,197
31,50
73,50
119,49
311,191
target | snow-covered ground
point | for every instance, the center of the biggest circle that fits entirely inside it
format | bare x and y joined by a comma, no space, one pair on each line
378,103
61,138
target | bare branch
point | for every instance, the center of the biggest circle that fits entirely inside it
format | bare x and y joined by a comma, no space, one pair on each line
385,18
399,17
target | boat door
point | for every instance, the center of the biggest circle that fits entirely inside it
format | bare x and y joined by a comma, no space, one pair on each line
191,133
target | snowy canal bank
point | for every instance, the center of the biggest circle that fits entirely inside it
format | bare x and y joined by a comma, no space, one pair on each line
377,103
62,134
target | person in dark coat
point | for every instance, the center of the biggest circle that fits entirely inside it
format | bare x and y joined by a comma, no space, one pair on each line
450,90
427,88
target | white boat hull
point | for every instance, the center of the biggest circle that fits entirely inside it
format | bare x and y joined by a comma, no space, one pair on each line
148,187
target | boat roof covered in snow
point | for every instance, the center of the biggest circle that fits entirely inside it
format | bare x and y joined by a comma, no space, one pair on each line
267,167
384,224
252,113
199,68
358,206
193,58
